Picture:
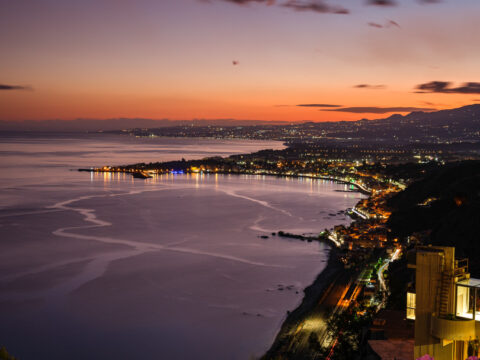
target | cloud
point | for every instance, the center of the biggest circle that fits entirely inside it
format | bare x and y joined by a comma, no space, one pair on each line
14,87
318,6
245,2
445,87
388,24
378,110
382,2
429,1
391,23
320,105
368,86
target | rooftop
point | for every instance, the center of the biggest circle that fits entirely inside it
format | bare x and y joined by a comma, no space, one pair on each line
471,283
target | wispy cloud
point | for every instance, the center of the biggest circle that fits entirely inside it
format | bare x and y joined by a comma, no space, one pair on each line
375,25
446,87
245,2
382,2
429,1
318,6
391,23
387,24
378,110
368,86
14,87
320,105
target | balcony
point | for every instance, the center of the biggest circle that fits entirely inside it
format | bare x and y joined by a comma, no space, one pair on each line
467,302
461,270
452,329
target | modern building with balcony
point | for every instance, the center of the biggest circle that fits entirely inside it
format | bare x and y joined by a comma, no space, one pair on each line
445,305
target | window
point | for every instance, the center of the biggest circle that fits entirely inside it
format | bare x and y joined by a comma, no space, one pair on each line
411,304
468,302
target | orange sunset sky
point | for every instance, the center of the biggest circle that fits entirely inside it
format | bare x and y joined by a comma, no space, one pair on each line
238,59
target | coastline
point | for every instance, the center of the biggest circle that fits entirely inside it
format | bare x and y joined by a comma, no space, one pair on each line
358,187
314,300
319,299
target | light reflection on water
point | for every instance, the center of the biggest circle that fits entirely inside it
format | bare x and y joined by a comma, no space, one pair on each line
314,185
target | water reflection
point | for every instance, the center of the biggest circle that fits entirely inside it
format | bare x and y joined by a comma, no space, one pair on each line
200,179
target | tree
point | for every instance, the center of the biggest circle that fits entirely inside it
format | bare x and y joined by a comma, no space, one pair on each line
313,342
4,355
347,329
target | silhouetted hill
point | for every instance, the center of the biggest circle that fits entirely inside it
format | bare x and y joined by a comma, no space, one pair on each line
463,115
445,205
458,124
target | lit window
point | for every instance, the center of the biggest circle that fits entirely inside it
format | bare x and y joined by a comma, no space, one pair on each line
411,304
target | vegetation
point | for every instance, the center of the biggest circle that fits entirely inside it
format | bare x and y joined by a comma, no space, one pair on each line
349,331
399,279
4,355
442,209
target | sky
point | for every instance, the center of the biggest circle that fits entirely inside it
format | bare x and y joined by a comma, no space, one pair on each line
290,60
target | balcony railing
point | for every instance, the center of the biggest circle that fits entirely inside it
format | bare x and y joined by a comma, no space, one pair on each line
461,267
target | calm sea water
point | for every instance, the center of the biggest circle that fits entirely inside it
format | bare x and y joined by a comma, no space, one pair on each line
104,266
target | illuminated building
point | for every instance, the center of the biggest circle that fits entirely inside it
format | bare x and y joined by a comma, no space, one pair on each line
444,305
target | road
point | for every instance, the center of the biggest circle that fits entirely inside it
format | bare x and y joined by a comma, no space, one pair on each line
333,301
382,268
381,278
341,293
336,299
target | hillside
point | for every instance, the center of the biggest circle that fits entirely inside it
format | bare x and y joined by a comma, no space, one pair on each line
460,124
444,206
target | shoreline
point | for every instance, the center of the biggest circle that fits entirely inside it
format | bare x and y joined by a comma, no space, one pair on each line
358,188
314,296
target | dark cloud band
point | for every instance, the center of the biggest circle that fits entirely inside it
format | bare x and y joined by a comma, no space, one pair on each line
245,2
429,1
14,87
315,6
320,105
382,2
368,86
378,110
446,87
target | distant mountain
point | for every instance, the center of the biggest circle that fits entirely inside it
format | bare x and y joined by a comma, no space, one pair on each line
94,125
463,115
453,125
460,124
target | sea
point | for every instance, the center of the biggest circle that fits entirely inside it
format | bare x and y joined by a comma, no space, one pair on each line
106,266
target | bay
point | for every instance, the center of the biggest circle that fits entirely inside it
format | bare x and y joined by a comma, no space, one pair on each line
104,266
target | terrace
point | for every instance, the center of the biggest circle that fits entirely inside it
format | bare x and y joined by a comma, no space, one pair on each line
468,299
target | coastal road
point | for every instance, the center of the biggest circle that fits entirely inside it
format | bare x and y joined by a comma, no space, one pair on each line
336,298
382,268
